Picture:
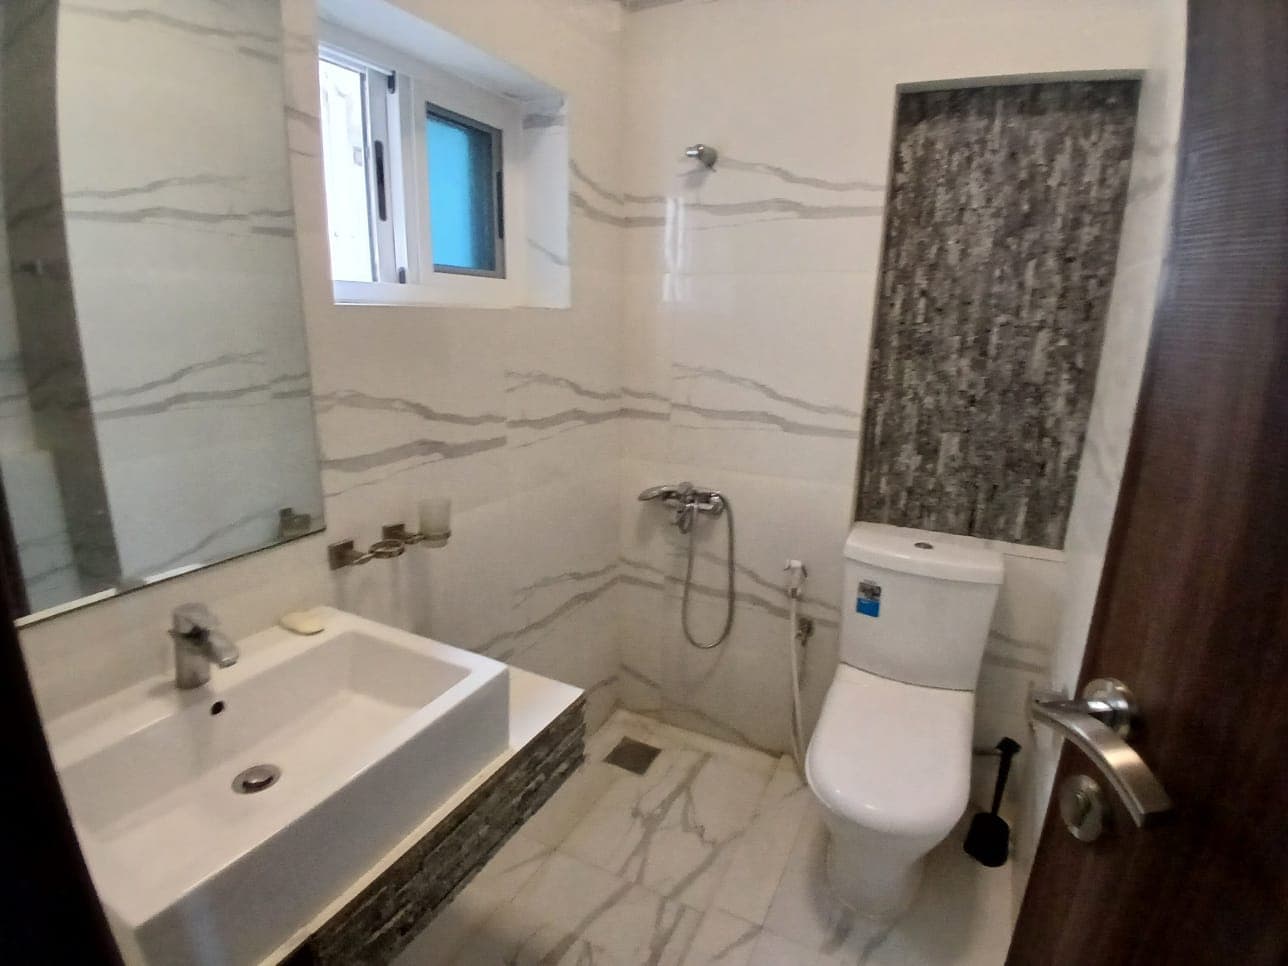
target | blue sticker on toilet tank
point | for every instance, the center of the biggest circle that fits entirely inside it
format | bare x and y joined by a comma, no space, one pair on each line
868,602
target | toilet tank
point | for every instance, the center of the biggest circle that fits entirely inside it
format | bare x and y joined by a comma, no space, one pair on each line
917,604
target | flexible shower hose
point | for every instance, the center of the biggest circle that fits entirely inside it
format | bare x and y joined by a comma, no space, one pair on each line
688,583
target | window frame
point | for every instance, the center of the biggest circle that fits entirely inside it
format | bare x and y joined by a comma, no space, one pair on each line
496,138
418,87
388,234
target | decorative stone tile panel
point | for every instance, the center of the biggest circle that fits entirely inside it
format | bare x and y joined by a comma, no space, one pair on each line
1001,240
378,923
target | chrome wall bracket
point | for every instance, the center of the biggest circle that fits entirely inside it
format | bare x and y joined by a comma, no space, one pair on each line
344,554
398,531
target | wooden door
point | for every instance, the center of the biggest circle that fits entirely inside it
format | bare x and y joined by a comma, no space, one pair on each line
1193,606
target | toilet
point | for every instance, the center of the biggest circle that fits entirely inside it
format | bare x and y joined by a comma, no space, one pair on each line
890,757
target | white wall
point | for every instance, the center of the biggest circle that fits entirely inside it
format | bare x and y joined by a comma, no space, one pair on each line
719,332
511,413
748,305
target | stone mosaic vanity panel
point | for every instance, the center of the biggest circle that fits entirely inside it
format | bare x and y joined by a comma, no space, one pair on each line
377,924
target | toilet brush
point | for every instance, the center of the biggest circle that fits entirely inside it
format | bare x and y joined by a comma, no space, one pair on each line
988,841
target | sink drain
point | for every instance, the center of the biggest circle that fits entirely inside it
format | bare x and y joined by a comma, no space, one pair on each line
256,778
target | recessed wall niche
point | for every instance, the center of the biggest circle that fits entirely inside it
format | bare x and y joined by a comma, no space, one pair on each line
1002,228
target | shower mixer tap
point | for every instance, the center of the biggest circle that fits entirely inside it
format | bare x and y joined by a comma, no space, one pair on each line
686,500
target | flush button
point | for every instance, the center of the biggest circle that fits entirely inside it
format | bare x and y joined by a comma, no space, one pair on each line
922,545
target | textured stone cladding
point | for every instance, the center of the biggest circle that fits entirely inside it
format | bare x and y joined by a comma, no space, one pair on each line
387,915
1001,238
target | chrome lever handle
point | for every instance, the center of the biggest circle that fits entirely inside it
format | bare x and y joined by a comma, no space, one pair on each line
1097,726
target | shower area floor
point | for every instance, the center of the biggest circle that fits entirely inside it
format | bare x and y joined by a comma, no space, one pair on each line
713,855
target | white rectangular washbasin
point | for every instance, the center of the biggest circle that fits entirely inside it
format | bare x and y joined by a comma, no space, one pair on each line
371,728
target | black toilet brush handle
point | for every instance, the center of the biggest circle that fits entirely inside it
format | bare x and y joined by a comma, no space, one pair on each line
1008,747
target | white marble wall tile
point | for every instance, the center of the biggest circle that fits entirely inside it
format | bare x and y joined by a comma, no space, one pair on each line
545,154
413,402
642,618
467,589
763,373
739,690
648,327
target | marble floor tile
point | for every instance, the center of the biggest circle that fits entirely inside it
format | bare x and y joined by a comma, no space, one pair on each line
721,940
572,802
671,829
567,903
772,950
629,724
497,883
961,915
537,944
760,857
714,856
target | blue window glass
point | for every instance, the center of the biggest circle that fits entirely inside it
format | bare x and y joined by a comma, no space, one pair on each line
463,195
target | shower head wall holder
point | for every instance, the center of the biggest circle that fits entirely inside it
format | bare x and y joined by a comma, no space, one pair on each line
704,153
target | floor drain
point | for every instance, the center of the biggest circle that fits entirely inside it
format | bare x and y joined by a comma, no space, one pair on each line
256,778
634,756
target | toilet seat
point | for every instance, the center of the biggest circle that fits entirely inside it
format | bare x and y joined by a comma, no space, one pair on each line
892,757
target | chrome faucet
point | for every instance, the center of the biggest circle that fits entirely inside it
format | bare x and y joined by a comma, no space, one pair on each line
198,643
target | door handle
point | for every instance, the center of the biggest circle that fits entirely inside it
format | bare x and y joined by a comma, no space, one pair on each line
1098,725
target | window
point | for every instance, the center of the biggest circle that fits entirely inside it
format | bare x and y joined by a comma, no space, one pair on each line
354,143
465,219
416,179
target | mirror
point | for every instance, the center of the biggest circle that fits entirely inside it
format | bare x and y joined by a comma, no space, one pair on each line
155,400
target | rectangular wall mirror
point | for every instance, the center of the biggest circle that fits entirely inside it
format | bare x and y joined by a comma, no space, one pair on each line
155,400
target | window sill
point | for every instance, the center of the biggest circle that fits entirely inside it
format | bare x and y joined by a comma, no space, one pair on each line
478,294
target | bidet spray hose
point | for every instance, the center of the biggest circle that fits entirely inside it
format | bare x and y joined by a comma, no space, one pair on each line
795,585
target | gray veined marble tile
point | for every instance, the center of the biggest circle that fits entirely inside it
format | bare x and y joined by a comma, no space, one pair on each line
557,258
721,940
588,587
570,912
670,830
763,594
163,19
497,883
353,399
760,857
961,913
517,381
787,176
684,372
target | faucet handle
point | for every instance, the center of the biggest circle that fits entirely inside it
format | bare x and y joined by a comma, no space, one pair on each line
191,618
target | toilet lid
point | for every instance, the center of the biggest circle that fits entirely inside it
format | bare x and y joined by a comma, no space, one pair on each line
890,756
